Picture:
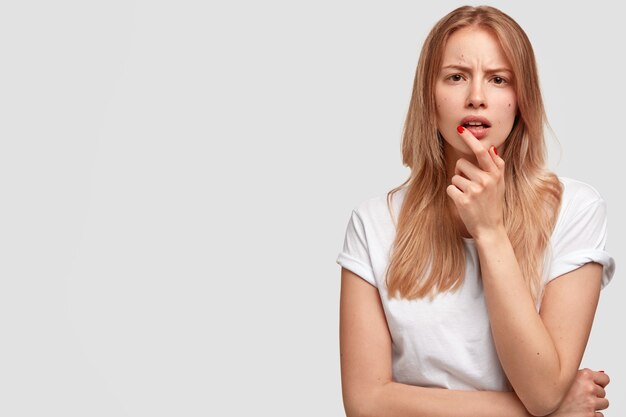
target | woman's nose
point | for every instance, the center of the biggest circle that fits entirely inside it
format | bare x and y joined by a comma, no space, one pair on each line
476,96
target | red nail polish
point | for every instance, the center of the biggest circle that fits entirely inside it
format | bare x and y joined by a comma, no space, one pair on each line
460,129
601,371
495,150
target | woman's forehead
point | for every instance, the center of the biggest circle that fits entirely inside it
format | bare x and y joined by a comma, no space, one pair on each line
474,46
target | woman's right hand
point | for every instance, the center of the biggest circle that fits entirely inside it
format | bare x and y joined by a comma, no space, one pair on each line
585,396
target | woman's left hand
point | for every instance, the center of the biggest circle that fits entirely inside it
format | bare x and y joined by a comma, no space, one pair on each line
478,192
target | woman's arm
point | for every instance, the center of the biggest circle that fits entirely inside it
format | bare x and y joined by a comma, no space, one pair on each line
540,353
366,374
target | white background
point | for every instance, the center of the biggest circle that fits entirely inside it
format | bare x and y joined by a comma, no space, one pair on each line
176,178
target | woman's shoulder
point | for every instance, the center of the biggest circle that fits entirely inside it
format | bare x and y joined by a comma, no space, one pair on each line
578,198
376,209
578,194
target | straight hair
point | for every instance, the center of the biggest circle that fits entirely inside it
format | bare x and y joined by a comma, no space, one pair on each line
428,254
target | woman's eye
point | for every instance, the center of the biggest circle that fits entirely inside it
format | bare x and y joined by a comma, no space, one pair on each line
499,80
455,77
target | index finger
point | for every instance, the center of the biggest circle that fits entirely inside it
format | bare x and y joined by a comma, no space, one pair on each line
485,161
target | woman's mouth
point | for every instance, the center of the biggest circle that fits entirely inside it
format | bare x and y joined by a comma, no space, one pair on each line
479,130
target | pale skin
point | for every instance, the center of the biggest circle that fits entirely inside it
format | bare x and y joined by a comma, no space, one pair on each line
539,352
366,374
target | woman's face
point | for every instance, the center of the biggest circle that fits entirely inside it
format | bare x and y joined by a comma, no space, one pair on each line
475,82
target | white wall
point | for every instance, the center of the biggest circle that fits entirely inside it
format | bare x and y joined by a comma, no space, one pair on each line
176,178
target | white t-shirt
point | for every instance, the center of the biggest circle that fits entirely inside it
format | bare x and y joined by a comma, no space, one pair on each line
447,343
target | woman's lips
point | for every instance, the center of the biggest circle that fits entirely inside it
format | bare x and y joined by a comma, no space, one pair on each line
479,132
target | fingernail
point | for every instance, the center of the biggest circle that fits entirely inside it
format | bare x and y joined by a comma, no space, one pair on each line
601,371
460,129
495,150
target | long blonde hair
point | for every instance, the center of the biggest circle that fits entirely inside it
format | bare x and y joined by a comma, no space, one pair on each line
427,240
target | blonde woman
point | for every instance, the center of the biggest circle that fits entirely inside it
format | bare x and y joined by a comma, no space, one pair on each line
450,304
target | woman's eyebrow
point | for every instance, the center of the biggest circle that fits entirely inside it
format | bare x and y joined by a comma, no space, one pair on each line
468,69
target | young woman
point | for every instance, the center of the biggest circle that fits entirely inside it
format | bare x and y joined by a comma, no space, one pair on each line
449,302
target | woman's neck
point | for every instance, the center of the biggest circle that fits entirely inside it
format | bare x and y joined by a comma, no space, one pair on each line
451,157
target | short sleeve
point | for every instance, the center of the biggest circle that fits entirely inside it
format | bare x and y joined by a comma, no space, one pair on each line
581,240
355,255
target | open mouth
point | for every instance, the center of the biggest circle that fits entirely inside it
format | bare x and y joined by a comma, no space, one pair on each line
476,125
478,129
